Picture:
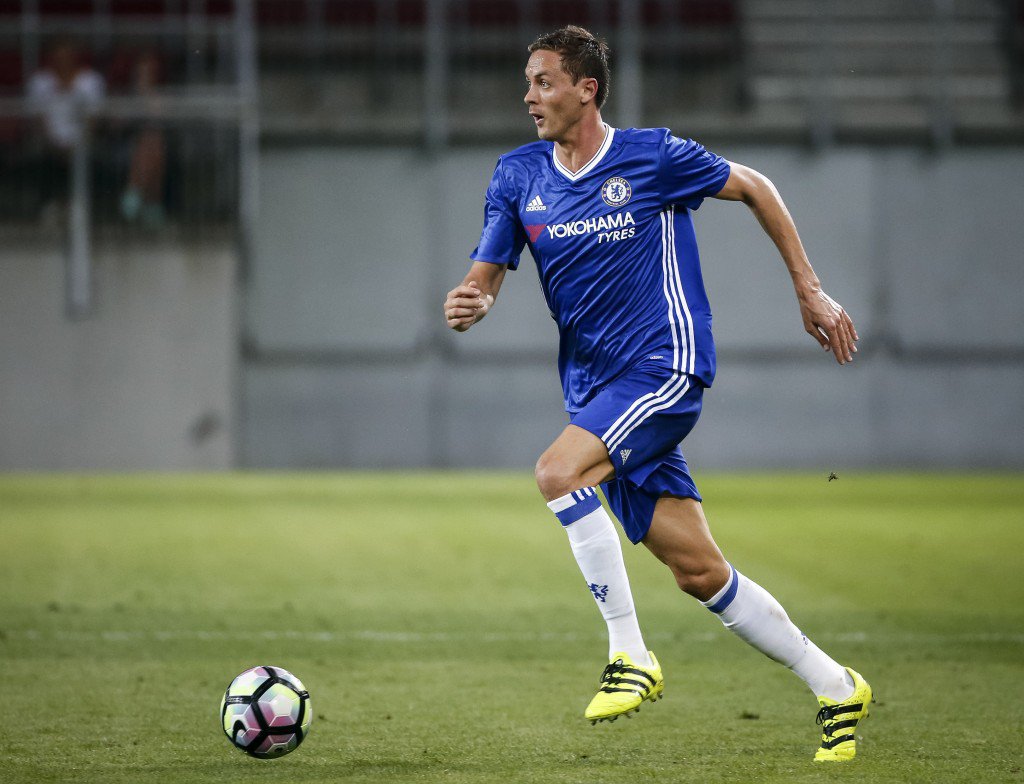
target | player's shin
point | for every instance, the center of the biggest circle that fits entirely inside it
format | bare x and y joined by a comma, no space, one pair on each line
756,617
595,544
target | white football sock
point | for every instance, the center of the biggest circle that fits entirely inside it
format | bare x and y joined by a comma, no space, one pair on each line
598,552
756,617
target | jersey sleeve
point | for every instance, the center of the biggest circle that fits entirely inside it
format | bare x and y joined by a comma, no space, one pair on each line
503,238
688,172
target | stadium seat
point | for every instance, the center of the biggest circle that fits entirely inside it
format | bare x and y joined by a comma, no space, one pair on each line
11,77
562,12
411,13
482,13
11,84
350,13
66,7
281,13
220,7
708,12
144,7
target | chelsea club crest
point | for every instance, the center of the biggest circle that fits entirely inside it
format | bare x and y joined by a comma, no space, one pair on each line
616,191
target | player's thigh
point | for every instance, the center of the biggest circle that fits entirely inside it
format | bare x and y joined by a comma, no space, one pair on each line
576,459
642,416
680,538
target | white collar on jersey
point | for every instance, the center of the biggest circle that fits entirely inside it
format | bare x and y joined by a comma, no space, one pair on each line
609,133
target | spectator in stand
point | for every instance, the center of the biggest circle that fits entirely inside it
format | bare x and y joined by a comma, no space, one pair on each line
143,198
63,94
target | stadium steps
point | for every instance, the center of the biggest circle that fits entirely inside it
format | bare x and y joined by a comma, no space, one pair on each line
868,69
877,63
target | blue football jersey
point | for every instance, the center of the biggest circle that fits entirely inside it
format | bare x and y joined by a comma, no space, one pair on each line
615,250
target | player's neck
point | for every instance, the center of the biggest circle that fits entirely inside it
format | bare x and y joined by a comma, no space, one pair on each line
581,143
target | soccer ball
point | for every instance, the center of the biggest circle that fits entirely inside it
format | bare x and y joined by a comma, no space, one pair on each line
266,712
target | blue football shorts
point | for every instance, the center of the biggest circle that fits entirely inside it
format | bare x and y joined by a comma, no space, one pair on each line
641,417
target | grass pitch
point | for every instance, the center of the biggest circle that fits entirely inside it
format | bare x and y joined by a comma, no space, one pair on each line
445,634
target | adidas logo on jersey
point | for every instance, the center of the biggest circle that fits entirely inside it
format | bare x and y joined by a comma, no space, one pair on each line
536,205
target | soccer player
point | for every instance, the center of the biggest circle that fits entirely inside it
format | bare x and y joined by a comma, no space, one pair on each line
606,213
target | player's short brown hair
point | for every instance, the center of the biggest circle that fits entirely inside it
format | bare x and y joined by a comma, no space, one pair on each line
583,54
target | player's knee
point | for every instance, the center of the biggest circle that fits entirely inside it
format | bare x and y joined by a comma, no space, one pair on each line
701,582
554,478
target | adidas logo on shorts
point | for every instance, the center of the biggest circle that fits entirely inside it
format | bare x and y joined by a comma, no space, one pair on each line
624,455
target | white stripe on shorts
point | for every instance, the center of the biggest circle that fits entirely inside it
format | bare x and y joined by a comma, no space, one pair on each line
679,394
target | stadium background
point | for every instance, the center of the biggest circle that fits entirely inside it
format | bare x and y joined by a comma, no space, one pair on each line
313,176
325,163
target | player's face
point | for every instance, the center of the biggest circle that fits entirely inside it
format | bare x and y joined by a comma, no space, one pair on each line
553,100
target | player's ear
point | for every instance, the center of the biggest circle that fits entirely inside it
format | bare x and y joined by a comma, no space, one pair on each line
588,90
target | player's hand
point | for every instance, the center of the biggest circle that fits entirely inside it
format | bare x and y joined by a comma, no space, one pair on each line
465,305
827,322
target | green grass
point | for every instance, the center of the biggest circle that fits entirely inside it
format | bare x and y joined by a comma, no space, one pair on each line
445,634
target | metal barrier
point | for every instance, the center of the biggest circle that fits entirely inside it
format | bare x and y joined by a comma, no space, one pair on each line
127,124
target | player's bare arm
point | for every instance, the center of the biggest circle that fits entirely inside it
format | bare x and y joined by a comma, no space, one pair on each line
824,319
472,299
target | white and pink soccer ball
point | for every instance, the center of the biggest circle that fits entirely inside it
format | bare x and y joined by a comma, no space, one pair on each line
266,712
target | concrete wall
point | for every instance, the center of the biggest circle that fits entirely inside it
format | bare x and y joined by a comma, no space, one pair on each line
345,360
147,382
350,365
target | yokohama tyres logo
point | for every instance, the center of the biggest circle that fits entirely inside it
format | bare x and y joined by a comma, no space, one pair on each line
589,225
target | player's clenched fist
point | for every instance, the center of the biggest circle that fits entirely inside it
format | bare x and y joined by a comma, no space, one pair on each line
465,306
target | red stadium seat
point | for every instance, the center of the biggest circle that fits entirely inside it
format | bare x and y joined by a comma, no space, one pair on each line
11,77
558,13
11,83
411,13
486,13
66,7
143,7
280,13
350,13
691,13
224,7
708,12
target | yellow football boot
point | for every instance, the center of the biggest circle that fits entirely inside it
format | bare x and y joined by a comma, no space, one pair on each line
624,685
838,721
